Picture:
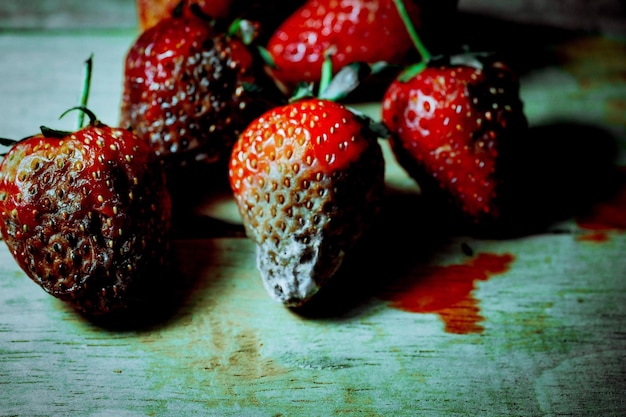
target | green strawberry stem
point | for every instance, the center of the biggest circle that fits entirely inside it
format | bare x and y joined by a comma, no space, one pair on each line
48,132
60,134
412,70
86,89
327,73
425,54
93,120
335,87
306,90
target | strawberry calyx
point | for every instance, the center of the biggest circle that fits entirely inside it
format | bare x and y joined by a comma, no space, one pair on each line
48,132
8,143
345,81
337,87
54,133
245,30
60,134
465,59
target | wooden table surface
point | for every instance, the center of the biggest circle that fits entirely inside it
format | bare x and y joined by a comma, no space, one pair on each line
526,326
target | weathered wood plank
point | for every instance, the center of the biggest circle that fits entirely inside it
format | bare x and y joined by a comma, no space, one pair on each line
535,325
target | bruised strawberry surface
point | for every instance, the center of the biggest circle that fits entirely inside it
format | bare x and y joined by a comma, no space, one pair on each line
308,180
606,215
184,89
86,216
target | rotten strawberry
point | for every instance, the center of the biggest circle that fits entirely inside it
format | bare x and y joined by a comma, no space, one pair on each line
187,87
308,181
86,215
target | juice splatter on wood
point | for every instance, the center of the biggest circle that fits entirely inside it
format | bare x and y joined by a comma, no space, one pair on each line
605,216
447,291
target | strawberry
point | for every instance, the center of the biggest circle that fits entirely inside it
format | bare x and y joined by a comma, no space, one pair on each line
450,123
452,120
307,178
86,215
186,89
268,13
352,30
150,12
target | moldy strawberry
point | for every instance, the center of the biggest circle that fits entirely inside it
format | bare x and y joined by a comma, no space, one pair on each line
308,179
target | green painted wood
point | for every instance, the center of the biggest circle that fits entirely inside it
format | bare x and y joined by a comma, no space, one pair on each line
543,335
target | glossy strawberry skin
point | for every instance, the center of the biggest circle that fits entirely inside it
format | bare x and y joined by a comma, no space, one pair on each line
184,90
451,127
87,216
353,30
308,180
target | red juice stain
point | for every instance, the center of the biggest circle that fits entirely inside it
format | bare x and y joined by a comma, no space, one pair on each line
597,237
447,291
605,215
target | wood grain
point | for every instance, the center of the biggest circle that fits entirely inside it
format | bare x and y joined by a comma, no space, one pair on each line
546,333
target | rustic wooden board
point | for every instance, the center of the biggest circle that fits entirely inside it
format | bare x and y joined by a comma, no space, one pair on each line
533,325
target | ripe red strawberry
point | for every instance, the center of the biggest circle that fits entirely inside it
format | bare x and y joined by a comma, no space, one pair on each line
308,180
86,215
351,30
185,89
451,124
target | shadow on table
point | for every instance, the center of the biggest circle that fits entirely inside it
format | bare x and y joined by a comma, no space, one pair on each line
557,172
525,47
